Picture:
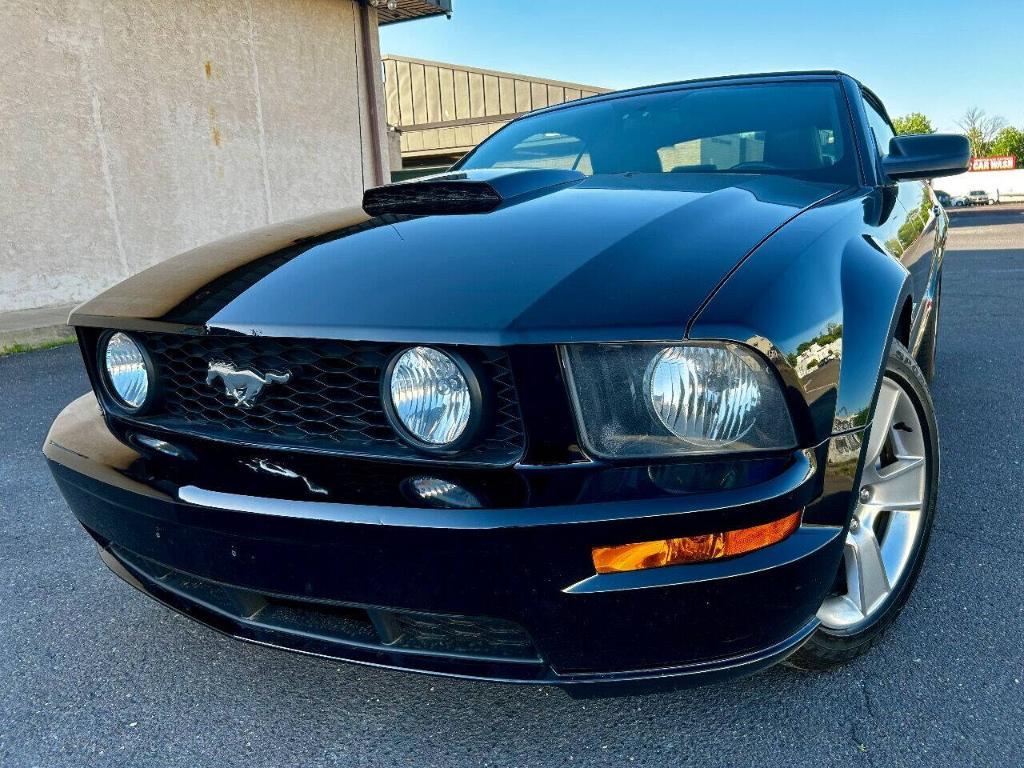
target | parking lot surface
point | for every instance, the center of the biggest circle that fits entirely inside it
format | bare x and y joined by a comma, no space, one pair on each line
95,674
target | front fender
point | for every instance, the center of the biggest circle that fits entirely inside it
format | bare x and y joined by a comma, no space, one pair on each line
876,290
821,299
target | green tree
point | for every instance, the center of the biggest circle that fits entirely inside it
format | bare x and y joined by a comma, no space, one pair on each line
915,122
1009,141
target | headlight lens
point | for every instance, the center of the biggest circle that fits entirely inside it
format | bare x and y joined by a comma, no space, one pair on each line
126,371
430,396
705,396
656,400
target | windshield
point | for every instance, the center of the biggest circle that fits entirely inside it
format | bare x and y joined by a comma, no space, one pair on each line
792,129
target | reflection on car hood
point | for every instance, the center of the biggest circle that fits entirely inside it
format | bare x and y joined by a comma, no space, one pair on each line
600,259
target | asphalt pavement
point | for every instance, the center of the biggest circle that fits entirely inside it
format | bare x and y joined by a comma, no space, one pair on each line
95,674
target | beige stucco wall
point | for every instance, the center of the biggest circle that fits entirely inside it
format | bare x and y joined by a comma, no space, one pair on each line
132,130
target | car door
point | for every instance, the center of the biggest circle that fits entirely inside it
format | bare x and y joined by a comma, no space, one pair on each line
918,238
922,222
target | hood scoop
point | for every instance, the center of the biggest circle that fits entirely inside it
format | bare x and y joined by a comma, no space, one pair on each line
463,192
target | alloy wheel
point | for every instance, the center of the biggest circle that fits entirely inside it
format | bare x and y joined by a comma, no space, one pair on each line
885,530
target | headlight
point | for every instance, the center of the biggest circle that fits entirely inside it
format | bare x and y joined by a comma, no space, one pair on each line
126,371
656,400
429,397
705,396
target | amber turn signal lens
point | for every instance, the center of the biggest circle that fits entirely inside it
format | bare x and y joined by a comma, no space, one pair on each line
693,549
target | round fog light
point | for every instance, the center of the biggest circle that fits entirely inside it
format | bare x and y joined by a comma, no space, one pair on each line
126,370
429,397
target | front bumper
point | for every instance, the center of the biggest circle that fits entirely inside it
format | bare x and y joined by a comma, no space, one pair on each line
501,592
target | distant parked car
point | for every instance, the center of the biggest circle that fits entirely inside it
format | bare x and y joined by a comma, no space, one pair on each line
979,197
943,197
960,201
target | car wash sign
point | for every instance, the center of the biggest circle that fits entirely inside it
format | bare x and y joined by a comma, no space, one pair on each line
1004,163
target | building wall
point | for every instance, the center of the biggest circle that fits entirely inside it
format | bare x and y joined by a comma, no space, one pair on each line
132,130
1001,185
447,109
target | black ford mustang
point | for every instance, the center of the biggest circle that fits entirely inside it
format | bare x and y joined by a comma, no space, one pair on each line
637,389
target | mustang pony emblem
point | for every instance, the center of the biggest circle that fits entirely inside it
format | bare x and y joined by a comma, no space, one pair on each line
243,385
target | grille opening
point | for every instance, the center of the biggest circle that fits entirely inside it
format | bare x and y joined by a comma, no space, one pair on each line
465,634
294,623
330,402
325,620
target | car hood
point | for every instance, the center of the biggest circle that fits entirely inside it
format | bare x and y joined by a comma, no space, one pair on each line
615,258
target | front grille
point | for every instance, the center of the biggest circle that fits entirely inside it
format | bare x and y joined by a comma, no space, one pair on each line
467,634
331,402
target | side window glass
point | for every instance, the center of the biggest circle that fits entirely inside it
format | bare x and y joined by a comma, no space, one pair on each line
880,129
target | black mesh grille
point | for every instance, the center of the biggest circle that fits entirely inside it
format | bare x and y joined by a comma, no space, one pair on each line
330,402
468,634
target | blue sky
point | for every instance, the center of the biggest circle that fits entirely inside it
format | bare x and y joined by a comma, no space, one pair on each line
932,56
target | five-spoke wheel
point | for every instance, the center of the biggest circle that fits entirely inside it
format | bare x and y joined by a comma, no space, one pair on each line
886,523
891,520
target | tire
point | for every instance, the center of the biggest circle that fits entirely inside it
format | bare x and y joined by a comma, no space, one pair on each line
931,335
832,646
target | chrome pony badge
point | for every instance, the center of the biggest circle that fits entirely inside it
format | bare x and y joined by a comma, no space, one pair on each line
243,385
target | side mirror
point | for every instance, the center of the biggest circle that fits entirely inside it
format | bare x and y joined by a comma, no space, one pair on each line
926,156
